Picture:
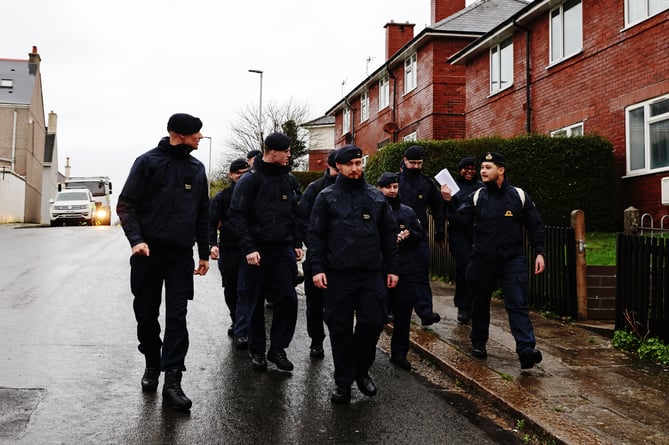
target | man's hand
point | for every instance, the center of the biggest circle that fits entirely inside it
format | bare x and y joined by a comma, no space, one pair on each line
140,249
214,252
391,280
446,192
202,268
539,264
253,258
320,281
299,253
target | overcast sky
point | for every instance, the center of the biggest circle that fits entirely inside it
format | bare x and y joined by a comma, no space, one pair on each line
115,70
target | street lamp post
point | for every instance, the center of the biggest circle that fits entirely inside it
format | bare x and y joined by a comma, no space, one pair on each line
259,107
209,168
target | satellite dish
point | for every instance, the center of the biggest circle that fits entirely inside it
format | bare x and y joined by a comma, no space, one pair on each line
390,127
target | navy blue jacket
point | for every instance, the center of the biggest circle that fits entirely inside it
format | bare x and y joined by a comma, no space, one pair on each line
263,209
308,198
218,221
501,218
456,226
352,227
420,192
411,250
165,201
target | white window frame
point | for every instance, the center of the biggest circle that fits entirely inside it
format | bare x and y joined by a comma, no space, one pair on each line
567,25
500,67
384,92
642,136
346,120
364,106
645,10
411,137
569,131
410,73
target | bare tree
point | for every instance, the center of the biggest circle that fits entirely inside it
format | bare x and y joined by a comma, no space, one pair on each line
246,132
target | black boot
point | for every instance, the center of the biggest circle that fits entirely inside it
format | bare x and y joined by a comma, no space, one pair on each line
173,395
150,378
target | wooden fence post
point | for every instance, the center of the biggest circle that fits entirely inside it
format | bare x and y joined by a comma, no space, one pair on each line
578,224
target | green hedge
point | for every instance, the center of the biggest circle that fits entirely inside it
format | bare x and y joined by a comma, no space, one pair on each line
560,174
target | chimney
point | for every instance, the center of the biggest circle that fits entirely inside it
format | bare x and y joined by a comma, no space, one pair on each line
397,35
67,167
33,61
53,123
445,8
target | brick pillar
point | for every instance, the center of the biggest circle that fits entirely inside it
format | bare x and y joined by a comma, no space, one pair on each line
397,35
445,8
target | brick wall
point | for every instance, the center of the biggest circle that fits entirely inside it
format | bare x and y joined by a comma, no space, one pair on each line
601,285
617,68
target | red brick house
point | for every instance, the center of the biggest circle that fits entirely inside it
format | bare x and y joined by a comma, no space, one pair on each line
416,94
580,67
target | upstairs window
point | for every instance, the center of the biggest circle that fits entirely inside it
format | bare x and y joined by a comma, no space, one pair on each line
501,66
410,78
647,132
364,106
570,131
637,10
346,121
384,92
566,30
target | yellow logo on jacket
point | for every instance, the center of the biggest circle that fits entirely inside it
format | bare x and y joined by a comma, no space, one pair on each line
508,213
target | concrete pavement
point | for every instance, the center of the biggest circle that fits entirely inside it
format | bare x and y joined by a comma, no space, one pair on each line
583,392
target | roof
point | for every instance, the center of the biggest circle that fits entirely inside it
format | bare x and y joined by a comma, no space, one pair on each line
471,22
322,121
480,16
22,74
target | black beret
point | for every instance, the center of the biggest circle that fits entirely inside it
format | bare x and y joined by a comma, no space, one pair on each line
347,152
331,159
183,123
415,153
253,154
466,162
238,164
387,178
496,158
277,141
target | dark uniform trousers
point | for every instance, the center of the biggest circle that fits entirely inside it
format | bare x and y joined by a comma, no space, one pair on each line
423,294
407,295
314,297
228,263
274,277
147,274
362,294
484,276
461,249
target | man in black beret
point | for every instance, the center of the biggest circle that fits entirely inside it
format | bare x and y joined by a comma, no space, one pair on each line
352,239
402,299
223,247
461,236
500,213
162,212
420,192
251,156
264,217
313,294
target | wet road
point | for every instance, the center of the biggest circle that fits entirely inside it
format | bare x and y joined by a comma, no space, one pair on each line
70,370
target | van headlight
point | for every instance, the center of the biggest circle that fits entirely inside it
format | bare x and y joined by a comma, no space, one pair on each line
101,213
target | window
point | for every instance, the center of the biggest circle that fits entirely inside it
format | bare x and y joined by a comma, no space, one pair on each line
6,83
572,130
410,78
410,137
384,92
501,66
648,136
566,30
364,106
346,121
636,10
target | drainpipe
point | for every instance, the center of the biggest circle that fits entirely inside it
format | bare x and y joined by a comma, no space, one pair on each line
394,111
528,112
14,139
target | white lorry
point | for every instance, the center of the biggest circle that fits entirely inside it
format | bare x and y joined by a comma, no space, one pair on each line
101,189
